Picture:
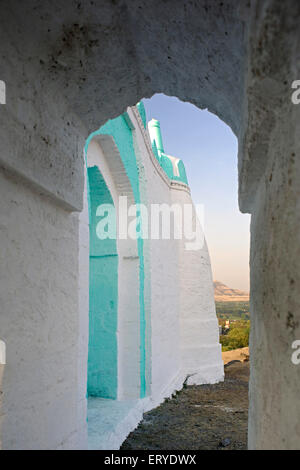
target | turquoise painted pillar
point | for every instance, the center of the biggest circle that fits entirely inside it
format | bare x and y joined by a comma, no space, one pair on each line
155,134
103,311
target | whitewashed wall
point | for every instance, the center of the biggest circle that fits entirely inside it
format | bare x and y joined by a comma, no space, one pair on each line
184,327
200,351
39,320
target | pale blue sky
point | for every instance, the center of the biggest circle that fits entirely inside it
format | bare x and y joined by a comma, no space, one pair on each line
208,149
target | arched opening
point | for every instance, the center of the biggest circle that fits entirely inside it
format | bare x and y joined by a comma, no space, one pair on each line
178,339
94,92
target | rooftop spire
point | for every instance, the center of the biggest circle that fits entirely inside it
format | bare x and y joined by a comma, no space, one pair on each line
155,134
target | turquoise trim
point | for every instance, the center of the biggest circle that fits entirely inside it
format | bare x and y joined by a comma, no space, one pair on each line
141,109
167,165
163,159
155,151
182,172
128,121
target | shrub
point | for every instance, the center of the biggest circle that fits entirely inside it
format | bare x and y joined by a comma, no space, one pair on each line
237,337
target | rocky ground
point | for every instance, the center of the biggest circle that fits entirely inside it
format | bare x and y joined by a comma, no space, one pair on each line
201,417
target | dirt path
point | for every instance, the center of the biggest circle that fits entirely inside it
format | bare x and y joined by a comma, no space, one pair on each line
199,417
241,354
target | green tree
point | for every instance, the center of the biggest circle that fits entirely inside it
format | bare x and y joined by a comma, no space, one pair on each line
237,337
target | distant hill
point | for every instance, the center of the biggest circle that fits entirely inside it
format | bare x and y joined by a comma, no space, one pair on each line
224,293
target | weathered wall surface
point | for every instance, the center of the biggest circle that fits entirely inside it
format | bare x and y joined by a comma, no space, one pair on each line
83,321
63,62
273,134
39,320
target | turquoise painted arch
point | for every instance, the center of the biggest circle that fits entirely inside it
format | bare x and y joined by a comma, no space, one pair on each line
121,132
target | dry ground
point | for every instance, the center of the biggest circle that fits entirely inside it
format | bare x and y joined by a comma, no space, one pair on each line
203,417
241,354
